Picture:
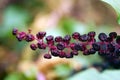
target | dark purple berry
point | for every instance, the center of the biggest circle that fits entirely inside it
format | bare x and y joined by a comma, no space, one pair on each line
33,46
109,39
40,35
47,56
41,45
29,37
49,38
118,40
74,52
113,34
117,52
86,52
92,34
102,53
75,35
60,46
50,43
62,54
91,51
102,37
67,39
20,36
58,39
15,31
96,46
111,47
69,55
72,46
55,52
84,37
79,47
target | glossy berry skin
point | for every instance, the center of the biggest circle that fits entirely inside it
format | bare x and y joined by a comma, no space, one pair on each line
55,52
75,35
60,46
92,34
84,37
96,46
47,56
33,46
40,35
49,38
102,37
29,37
14,31
118,40
41,45
58,39
113,34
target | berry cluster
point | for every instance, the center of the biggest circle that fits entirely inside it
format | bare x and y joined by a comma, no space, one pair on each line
108,45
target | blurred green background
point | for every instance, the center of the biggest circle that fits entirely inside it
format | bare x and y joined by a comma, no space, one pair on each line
56,17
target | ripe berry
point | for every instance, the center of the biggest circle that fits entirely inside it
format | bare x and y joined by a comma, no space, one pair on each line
75,35
40,35
47,56
55,52
109,39
33,46
60,46
29,37
74,52
91,51
111,47
113,34
67,39
72,46
118,40
96,46
117,52
92,34
49,38
20,36
86,52
58,39
102,37
41,45
69,55
84,37
79,47
14,31
62,54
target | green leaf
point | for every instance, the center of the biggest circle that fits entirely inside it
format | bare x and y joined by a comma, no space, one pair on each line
116,5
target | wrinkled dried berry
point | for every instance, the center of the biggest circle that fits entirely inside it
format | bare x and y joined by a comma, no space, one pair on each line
96,46
55,52
49,38
92,34
84,37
